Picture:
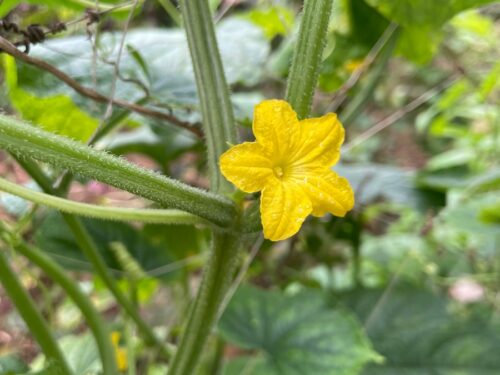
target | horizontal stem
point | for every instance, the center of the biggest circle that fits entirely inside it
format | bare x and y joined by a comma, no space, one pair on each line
154,216
24,140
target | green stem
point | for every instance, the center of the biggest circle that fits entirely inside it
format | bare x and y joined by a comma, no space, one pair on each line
213,92
100,212
172,11
308,54
91,251
216,281
92,254
27,141
99,329
34,320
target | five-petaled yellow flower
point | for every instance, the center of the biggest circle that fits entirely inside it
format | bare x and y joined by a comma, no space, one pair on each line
290,163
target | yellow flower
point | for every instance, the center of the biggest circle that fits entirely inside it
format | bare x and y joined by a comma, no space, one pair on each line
120,353
290,163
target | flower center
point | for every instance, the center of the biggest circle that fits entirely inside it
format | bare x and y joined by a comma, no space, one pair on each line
278,171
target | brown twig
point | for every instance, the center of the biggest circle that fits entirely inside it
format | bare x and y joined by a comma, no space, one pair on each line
10,49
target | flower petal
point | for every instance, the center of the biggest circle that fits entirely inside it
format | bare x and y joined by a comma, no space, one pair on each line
276,127
283,208
328,192
321,140
246,166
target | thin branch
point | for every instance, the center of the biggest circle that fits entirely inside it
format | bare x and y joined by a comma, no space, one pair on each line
7,47
388,121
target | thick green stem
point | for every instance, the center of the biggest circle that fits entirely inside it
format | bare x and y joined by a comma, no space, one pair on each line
100,212
213,92
308,54
27,141
96,324
36,323
217,277
219,130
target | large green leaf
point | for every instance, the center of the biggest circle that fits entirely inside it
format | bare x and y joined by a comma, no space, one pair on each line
418,334
54,237
422,21
11,365
294,334
243,46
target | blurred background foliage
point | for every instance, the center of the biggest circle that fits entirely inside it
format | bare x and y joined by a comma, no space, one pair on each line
408,283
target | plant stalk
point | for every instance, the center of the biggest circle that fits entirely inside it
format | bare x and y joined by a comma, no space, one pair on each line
96,324
89,248
37,325
153,216
308,55
27,141
213,91
217,278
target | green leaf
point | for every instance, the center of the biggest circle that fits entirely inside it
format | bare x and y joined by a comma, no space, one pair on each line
418,334
377,181
422,21
424,13
274,20
55,113
466,216
11,365
54,237
295,334
159,56
81,354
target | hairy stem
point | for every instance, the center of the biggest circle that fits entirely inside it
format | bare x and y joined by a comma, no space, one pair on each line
213,92
217,277
307,55
37,325
25,140
99,212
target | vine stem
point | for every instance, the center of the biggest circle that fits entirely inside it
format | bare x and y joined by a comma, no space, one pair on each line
154,216
89,248
94,320
216,281
213,91
37,325
219,128
28,141
307,55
